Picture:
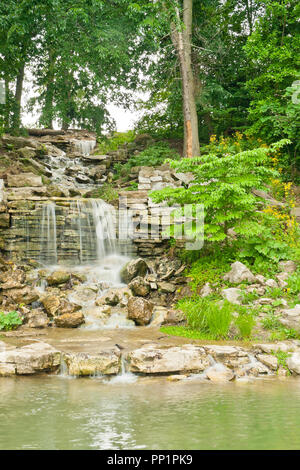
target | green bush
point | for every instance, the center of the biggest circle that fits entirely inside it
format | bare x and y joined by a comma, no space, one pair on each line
106,192
9,321
115,141
245,324
211,317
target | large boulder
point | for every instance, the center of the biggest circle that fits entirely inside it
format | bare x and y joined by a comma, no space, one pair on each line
293,363
219,373
139,287
136,267
36,318
69,320
239,273
24,180
51,304
232,294
24,295
58,277
154,360
111,297
32,359
107,362
290,317
140,310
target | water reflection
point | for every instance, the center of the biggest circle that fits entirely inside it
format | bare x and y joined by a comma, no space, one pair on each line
57,413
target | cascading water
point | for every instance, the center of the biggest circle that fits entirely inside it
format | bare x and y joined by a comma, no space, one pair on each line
84,146
48,237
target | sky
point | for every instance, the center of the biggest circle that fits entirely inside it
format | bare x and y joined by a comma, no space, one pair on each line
125,119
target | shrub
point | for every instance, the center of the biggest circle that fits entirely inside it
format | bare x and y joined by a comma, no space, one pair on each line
245,324
9,321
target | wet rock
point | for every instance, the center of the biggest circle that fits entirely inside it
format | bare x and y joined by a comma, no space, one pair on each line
239,273
140,310
32,359
24,180
232,294
14,278
139,287
36,318
111,297
288,266
69,320
219,353
103,363
58,277
27,152
134,268
293,363
25,295
219,373
152,360
51,304
4,220
268,360
166,287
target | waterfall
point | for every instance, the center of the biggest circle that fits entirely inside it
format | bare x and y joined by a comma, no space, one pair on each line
82,232
48,237
84,146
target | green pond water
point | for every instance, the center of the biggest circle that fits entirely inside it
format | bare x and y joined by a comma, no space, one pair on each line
62,413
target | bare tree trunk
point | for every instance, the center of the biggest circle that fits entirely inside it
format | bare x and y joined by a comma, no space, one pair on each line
47,115
18,97
181,38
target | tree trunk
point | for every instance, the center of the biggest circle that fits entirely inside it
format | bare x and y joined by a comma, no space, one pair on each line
18,97
7,105
47,118
181,38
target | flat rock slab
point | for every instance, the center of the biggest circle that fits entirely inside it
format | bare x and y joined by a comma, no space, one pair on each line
107,362
32,359
155,360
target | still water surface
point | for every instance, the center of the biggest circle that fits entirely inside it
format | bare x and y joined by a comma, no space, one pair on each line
62,413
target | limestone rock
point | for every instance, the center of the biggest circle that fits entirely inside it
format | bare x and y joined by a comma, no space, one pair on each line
268,360
36,318
139,287
58,277
31,359
107,362
271,283
293,363
232,294
282,278
152,360
51,304
24,180
219,373
69,320
166,287
288,266
239,273
140,310
206,290
291,317
134,268
25,295
111,297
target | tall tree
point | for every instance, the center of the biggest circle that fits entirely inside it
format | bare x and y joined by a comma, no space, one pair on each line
181,33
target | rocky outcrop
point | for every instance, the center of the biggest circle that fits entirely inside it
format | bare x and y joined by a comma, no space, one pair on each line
239,273
83,364
155,360
24,180
290,318
58,277
69,320
139,287
134,268
32,359
140,310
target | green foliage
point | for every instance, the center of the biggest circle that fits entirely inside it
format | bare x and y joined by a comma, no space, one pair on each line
114,142
224,187
9,321
185,332
209,268
245,324
272,50
278,331
282,357
293,282
106,192
209,316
